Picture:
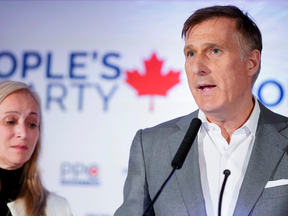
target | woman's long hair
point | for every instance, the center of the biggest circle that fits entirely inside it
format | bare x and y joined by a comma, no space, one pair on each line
32,193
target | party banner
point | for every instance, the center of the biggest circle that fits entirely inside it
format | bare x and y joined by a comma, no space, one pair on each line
105,69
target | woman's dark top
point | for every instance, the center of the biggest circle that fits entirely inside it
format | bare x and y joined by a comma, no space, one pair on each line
11,182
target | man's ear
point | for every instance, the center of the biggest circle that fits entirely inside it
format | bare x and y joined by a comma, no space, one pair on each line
253,62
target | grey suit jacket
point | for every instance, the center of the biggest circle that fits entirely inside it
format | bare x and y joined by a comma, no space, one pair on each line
153,149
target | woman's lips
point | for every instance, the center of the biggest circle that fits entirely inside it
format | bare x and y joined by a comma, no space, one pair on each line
20,147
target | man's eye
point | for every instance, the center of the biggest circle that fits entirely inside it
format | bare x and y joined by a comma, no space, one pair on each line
190,54
215,51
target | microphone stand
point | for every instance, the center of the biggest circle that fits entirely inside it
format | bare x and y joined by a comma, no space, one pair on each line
226,173
180,155
159,192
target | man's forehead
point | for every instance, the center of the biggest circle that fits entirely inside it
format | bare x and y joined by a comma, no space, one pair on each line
211,23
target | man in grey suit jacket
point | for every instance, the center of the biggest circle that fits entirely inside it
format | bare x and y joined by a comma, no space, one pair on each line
223,52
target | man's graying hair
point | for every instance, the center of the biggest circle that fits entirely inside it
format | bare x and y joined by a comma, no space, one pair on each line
248,35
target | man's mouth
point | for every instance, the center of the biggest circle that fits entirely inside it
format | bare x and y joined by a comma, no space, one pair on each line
206,87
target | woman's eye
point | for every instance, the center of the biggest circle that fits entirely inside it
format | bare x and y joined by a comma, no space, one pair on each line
10,122
215,51
32,125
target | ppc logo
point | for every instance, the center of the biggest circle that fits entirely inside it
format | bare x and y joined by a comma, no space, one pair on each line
79,174
153,82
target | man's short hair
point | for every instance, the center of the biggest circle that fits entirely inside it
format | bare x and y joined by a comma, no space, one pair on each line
248,35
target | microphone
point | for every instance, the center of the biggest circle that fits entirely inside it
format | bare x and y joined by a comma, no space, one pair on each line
180,156
186,144
226,173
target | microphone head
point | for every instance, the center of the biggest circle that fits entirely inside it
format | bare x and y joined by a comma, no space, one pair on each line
227,172
186,144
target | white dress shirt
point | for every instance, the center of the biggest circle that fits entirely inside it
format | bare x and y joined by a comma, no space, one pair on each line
216,155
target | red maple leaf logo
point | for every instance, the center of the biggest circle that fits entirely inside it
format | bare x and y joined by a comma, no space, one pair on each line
153,82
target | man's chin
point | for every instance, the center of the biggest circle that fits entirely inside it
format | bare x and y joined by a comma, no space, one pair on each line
207,107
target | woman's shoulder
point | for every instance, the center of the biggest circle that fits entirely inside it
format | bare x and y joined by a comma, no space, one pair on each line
53,197
57,206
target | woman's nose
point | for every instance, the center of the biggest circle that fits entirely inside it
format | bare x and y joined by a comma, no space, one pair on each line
22,131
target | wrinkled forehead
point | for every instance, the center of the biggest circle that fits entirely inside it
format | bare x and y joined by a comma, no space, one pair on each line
213,24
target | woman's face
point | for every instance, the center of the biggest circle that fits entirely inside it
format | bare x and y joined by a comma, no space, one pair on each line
19,129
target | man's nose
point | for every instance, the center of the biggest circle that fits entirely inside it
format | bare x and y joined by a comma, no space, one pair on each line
199,65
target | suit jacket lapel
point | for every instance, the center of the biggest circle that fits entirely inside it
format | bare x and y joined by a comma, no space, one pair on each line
188,177
269,147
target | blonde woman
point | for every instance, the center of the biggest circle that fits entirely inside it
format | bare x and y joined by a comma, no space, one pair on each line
21,190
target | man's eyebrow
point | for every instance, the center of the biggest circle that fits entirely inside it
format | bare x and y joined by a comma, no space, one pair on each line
188,47
205,45
209,45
